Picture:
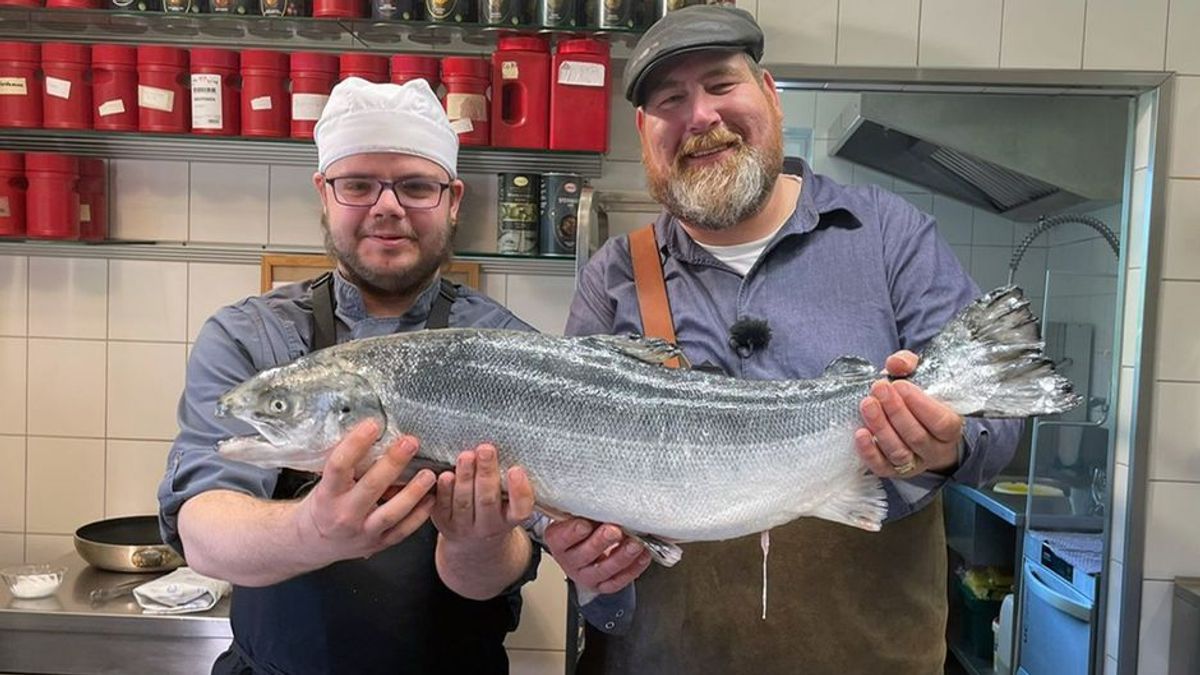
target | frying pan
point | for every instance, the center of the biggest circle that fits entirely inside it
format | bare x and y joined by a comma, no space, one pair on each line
129,544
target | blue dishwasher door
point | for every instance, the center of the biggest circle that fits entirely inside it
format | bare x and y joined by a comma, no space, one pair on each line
1055,625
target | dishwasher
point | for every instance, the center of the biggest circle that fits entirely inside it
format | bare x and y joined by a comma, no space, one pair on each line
1058,604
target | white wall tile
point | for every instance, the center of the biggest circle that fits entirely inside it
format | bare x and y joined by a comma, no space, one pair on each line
1154,636
799,108
66,388
835,168
923,202
1039,34
1184,153
625,222
989,229
68,297
228,203
541,301
132,471
960,33
1178,351
1125,398
295,207
866,176
528,662
954,220
13,356
149,200
1125,34
1181,246
623,175
145,380
47,547
878,32
1120,483
1172,547
1131,323
147,300
14,293
12,548
623,141
1174,445
963,253
12,484
543,624
989,266
830,106
799,31
1183,49
64,485
1112,620
211,286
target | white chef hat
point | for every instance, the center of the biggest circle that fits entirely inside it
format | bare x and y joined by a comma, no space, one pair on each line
363,116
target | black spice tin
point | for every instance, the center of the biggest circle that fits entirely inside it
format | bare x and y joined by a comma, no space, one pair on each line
284,8
397,10
560,213
181,6
518,214
612,14
237,7
558,13
507,12
450,11
135,5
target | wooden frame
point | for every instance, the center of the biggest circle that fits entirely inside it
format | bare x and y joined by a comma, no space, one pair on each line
280,269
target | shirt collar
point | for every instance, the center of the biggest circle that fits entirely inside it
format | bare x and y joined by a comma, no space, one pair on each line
351,308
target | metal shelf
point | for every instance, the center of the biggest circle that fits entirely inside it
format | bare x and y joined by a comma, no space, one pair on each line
241,150
290,33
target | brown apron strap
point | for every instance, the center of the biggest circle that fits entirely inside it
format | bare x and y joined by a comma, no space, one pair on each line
653,304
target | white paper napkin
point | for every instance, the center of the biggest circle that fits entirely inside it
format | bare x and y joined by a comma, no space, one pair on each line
180,592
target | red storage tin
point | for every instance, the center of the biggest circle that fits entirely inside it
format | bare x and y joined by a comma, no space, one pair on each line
406,67
521,93
163,103
20,86
114,88
52,202
579,97
21,3
266,110
93,199
339,9
73,4
12,194
66,89
467,80
313,77
216,101
369,67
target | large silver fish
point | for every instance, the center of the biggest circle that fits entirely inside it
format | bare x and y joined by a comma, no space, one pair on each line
607,433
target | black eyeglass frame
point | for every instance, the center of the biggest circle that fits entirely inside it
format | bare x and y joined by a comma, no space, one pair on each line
388,185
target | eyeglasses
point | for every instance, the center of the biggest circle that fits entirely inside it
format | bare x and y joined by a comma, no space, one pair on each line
411,193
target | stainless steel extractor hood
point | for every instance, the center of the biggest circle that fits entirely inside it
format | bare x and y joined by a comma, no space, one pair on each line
1018,156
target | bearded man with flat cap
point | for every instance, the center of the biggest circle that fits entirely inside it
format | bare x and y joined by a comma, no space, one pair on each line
347,574
770,275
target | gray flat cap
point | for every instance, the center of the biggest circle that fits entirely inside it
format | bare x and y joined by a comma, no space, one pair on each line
690,29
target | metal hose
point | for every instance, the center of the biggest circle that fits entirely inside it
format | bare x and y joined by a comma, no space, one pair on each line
1046,224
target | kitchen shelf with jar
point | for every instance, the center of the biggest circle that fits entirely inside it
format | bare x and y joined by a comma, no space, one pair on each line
267,32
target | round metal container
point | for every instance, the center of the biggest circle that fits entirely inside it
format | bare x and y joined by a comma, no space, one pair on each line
511,13
518,214
558,13
450,11
559,213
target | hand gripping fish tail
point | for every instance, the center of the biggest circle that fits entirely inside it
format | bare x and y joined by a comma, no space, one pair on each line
988,362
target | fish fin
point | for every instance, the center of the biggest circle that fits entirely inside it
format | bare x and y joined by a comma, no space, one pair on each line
662,551
860,502
851,367
650,350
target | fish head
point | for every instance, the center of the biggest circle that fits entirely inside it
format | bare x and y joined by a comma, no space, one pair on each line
303,406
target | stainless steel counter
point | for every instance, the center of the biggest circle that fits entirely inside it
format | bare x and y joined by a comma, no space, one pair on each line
64,633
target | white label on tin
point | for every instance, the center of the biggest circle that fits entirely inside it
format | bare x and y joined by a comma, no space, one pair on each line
260,103
155,98
58,88
581,73
12,86
509,70
114,107
206,101
467,106
85,213
5,212
462,126
308,107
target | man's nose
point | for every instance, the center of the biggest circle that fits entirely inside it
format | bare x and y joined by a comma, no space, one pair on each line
703,114
388,204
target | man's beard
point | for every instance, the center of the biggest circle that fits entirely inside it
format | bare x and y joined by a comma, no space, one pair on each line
399,282
718,196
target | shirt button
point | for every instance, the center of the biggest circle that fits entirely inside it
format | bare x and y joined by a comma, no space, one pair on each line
620,613
609,626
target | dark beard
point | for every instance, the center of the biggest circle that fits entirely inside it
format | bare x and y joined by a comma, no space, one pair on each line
398,283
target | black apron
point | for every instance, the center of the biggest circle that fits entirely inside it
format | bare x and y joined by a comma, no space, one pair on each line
389,613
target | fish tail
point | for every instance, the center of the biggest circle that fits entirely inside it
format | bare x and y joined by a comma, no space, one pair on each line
989,362
859,500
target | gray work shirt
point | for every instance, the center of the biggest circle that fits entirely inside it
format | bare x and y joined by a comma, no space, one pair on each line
855,270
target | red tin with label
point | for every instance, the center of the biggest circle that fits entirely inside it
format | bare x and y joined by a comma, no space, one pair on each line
313,77
66,87
339,9
73,4
20,86
216,99
12,194
266,107
521,92
52,201
579,98
93,199
114,88
163,85
467,80
407,67
370,67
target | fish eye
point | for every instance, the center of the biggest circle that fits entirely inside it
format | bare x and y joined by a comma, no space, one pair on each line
277,405
345,410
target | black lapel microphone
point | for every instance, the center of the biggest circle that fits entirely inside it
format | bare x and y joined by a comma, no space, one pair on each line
749,335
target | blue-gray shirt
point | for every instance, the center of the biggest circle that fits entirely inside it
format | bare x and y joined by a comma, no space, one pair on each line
855,270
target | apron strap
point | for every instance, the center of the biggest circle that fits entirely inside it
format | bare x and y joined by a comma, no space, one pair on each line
439,313
653,304
323,304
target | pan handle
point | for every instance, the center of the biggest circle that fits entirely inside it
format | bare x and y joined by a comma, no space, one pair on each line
148,557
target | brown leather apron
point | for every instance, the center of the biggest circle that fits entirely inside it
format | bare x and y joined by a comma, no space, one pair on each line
840,600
